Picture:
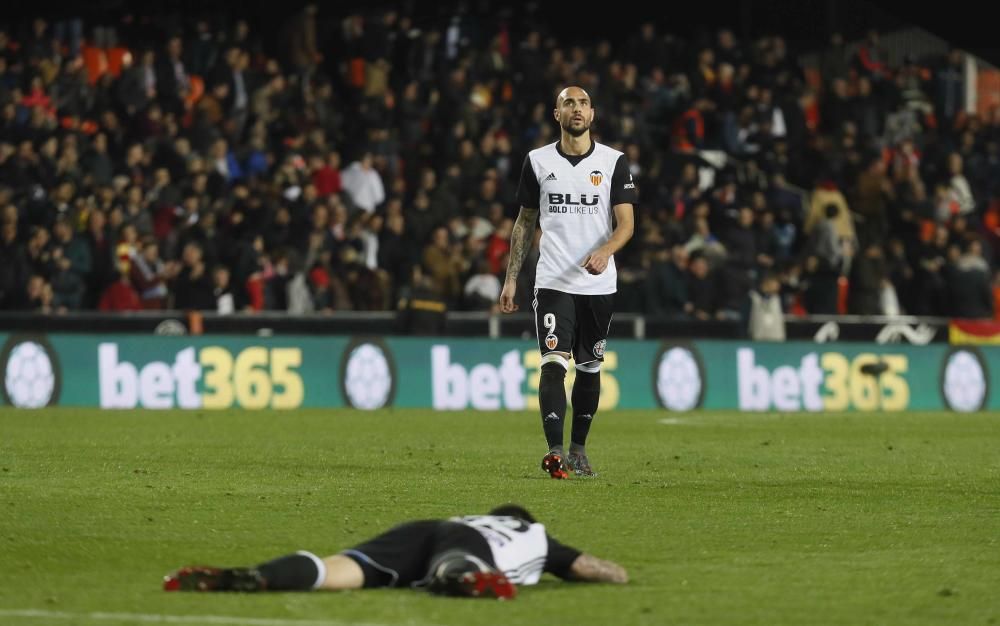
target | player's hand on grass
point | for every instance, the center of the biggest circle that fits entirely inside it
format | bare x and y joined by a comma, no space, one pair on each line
507,304
597,261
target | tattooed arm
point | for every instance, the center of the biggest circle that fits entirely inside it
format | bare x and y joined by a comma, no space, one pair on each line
589,568
521,239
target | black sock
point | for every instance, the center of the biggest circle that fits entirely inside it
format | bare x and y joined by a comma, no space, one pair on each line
552,401
586,396
295,572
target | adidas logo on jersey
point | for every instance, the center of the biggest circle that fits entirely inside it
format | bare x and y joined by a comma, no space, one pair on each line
551,176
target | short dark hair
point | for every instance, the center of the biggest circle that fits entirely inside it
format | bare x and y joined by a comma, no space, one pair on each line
514,510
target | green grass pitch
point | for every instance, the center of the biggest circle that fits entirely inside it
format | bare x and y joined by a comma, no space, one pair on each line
719,517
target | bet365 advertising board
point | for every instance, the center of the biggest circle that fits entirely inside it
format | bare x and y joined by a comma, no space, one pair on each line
289,372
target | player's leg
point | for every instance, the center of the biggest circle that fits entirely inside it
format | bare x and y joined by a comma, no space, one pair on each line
554,323
342,572
304,571
593,322
301,571
586,397
395,557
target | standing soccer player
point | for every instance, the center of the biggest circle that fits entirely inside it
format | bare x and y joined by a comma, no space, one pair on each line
582,194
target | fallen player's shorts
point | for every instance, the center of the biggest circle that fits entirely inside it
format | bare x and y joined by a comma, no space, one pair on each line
402,556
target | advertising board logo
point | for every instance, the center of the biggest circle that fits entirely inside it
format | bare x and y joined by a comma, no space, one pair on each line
368,379
210,377
484,386
31,373
679,378
828,381
964,380
489,381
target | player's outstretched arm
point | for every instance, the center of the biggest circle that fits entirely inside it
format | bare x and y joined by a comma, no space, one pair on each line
589,568
521,238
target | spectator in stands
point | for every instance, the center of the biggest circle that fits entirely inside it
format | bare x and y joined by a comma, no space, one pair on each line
74,249
949,89
666,288
959,186
442,262
192,287
875,192
38,253
326,174
702,287
97,163
38,295
66,284
173,82
704,241
969,289
825,264
867,281
295,296
933,259
363,184
901,275
766,317
225,304
482,289
421,307
119,295
148,276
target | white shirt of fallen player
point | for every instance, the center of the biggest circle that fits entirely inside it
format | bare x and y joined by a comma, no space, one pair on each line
519,548
575,215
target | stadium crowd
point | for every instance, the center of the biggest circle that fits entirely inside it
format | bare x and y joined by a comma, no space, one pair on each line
372,161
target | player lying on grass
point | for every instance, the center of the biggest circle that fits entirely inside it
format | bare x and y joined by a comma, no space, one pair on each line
477,556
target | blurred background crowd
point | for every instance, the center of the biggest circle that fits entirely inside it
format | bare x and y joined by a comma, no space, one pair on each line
370,160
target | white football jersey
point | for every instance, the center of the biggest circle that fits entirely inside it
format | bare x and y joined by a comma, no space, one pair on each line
519,548
574,195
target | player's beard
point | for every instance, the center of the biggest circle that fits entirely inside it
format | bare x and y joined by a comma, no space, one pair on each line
575,132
